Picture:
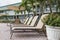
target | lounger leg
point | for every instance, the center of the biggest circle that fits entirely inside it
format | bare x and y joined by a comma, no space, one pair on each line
11,35
44,31
38,31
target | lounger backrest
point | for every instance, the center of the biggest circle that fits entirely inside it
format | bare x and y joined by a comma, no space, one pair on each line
29,20
26,20
40,23
34,21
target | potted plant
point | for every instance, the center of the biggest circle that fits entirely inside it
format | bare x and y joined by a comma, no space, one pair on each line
52,23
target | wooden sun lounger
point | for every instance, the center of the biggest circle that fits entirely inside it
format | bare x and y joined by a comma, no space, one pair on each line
40,26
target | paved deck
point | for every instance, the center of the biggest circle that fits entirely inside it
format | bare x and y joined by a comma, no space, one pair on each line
5,34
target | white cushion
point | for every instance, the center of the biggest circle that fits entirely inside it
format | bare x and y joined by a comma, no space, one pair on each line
26,20
29,21
33,21
19,28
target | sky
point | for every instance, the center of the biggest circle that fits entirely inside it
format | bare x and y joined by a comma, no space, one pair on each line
7,2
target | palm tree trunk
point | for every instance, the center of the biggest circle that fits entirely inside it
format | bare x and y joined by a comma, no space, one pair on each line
56,6
41,10
50,6
28,13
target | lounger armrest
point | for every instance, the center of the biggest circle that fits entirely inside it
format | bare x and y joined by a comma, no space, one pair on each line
20,25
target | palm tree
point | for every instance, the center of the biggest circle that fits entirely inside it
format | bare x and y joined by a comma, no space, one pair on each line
51,3
16,18
25,5
16,12
29,5
41,5
58,5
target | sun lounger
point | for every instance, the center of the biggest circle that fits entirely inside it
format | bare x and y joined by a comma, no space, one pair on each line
40,27
21,25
